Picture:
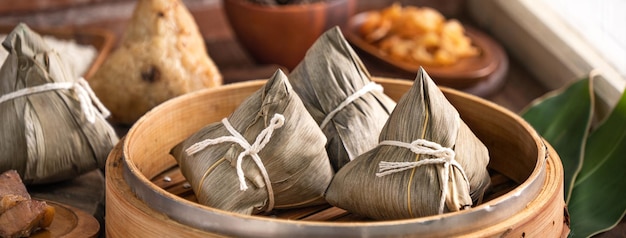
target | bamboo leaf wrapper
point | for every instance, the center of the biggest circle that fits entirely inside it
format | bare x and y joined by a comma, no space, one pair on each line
427,162
337,90
293,156
51,129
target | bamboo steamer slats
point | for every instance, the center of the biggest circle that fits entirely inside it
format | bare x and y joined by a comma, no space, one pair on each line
147,195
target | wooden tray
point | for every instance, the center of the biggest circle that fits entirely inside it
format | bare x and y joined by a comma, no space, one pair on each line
466,73
101,39
69,222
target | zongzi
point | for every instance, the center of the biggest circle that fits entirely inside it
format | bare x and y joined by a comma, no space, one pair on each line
49,126
269,142
336,89
427,162
161,56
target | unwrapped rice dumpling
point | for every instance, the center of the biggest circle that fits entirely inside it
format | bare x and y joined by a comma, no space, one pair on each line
52,127
269,153
162,55
336,89
427,162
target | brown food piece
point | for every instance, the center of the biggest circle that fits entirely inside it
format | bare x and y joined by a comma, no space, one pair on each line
19,215
12,190
9,201
11,184
162,55
25,218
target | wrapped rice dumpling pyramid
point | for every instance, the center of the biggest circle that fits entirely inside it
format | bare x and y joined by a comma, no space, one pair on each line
161,56
269,153
336,89
427,162
50,129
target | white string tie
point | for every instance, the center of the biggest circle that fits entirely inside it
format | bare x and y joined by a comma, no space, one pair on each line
364,90
81,89
252,150
440,155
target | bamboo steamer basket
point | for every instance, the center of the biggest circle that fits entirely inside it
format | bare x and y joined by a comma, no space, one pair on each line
146,194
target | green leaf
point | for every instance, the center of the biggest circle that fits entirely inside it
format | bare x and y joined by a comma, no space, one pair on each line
563,118
597,202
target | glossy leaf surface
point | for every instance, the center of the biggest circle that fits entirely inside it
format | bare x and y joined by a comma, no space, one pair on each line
563,118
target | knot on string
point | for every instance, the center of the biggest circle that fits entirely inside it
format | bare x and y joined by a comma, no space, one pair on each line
88,99
439,155
251,150
81,89
364,90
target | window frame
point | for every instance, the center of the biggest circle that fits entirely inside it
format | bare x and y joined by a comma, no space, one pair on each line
547,47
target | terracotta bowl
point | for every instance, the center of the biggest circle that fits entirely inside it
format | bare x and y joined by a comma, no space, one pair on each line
282,34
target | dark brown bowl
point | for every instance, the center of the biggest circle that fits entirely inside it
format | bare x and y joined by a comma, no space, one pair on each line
282,34
466,73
